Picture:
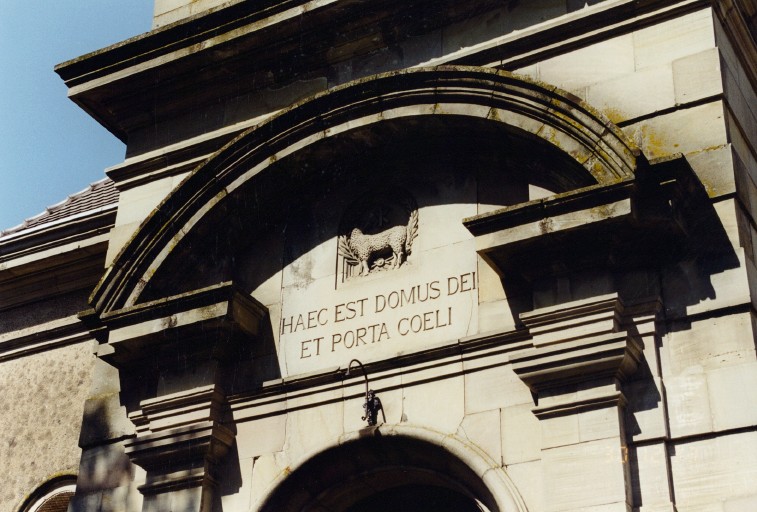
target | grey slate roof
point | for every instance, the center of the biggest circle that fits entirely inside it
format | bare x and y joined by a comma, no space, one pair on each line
97,195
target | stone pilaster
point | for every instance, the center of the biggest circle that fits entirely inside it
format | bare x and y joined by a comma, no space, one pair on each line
576,367
171,356
180,443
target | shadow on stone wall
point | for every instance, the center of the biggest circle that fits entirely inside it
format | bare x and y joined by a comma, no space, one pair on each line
105,481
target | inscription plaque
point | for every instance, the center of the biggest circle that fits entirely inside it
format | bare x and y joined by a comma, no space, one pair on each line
403,278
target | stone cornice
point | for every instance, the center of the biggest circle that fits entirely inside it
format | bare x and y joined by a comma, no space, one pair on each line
110,84
40,240
55,334
587,227
222,309
186,448
578,29
611,355
450,360
522,213
575,343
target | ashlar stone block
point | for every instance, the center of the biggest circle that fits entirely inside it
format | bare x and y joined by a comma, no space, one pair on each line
266,469
740,503
599,423
688,404
606,60
711,343
683,131
308,430
692,288
731,56
521,435
743,150
135,204
715,169
494,388
697,76
119,237
728,212
640,93
646,416
741,101
86,501
560,431
441,225
315,265
495,316
490,286
242,498
650,478
531,71
104,467
733,395
529,480
708,472
483,430
439,404
121,499
670,40
261,436
585,475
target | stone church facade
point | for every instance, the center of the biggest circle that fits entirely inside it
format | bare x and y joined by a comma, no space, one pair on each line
484,255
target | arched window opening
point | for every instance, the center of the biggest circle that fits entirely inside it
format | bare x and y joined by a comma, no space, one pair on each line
52,496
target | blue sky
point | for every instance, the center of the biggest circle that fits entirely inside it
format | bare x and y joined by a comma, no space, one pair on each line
49,148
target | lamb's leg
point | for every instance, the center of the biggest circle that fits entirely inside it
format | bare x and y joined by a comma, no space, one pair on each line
397,259
364,270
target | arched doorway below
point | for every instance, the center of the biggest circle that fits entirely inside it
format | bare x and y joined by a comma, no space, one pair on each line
376,472
417,498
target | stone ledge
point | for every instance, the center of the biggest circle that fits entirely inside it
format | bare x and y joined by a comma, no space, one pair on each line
611,355
220,308
180,445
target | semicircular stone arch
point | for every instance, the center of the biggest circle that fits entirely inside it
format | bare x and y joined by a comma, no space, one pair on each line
395,462
588,148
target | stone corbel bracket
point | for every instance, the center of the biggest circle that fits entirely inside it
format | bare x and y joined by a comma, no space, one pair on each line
575,343
577,364
206,322
180,441
632,223
191,452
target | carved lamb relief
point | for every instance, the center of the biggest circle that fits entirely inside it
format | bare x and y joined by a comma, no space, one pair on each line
377,233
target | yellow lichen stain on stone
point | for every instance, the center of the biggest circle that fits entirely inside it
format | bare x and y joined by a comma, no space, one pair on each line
711,191
614,115
654,145
545,225
602,211
707,149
